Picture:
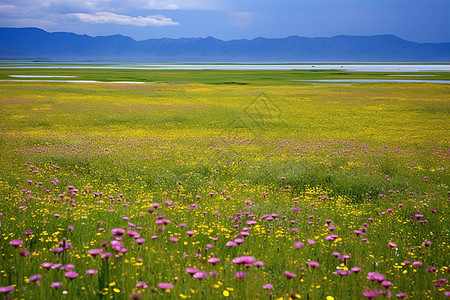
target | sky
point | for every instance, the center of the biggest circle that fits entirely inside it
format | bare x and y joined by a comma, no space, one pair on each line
413,20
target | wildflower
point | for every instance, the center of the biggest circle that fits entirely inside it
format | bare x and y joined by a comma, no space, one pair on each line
136,295
191,270
214,260
314,264
289,275
46,265
298,245
71,275
16,243
372,294
241,275
426,243
6,289
24,252
56,285
268,286
91,272
95,252
244,260
391,244
141,285
231,244
165,286
200,275
401,295
376,276
35,277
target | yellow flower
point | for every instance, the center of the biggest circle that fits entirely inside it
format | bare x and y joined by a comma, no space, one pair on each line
226,293
116,290
330,298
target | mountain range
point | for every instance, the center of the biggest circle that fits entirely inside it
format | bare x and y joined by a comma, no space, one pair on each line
37,44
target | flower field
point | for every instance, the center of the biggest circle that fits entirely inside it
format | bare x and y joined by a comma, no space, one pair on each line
211,191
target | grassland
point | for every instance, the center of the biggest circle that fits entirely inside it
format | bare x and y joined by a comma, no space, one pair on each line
249,157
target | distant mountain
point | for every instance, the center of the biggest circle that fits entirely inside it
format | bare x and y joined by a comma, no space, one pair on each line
37,44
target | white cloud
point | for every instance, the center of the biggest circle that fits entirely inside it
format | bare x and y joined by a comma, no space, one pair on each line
184,4
241,19
106,17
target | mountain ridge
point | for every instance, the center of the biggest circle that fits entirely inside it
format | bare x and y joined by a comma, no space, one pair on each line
35,43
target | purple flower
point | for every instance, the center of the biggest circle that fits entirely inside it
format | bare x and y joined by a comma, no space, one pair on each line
289,275
376,276
401,295
200,275
35,277
165,286
136,295
118,231
190,233
298,245
426,243
214,260
356,269
24,252
314,264
56,285
95,252
173,239
16,243
71,275
393,245
268,286
191,270
231,244
372,294
140,241
46,265
241,275
141,285
259,264
57,250
244,260
213,273
6,289
91,272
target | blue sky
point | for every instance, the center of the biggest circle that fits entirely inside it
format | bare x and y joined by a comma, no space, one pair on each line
414,20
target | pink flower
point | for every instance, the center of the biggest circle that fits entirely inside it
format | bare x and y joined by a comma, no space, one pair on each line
241,275
16,243
376,276
289,275
372,294
214,260
6,289
244,260
91,272
71,275
298,245
191,270
56,285
391,244
314,264
165,286
200,275
95,252
268,286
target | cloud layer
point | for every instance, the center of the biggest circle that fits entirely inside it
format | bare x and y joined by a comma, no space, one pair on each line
106,17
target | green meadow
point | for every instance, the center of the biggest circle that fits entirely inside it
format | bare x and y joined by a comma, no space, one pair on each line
223,184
